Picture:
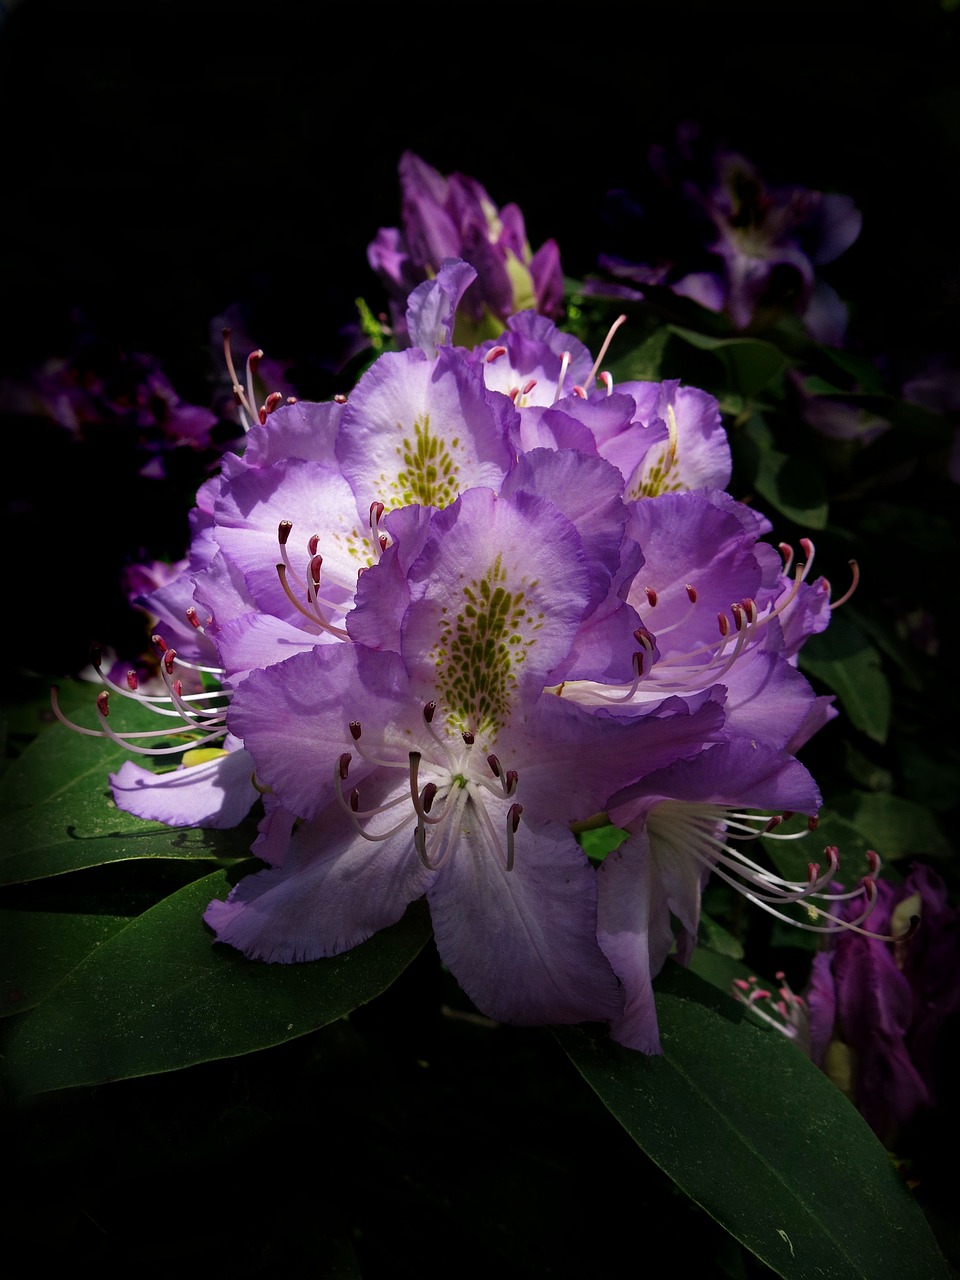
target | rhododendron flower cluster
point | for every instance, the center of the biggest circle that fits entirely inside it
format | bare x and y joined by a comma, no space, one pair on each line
487,599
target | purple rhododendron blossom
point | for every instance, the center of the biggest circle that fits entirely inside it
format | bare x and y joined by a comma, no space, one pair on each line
454,218
480,600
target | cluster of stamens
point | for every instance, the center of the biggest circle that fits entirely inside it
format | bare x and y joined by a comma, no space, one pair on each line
707,832
519,393
200,717
783,1010
737,631
438,806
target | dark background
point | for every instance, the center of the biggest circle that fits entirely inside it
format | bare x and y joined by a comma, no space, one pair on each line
158,169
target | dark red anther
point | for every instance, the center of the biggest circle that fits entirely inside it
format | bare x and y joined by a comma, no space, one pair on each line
773,823
513,393
494,354
429,794
339,399
528,386
638,658
316,563
96,656
578,391
515,811
511,780
468,737
192,617
313,543
177,687
262,416
133,683
737,612
644,637
355,799
355,730
254,359
813,822
652,597
383,541
344,765
225,334
272,401
873,861
160,643
284,529
103,702
291,399
376,512
723,624
429,711
494,764
169,658
691,593
786,815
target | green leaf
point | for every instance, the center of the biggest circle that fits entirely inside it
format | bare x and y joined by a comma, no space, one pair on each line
749,363
39,948
849,664
158,996
793,487
756,1135
58,814
644,362
894,826
84,828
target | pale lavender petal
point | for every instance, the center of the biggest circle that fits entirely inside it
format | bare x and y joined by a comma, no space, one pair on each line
219,793
498,593
635,934
522,943
305,429
418,431
334,890
432,306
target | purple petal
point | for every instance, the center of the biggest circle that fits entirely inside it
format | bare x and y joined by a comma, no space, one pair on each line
522,943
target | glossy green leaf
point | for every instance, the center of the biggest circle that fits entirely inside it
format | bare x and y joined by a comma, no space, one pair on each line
757,1136
58,814
845,660
158,996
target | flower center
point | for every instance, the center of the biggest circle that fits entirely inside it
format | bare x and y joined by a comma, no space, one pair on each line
450,788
